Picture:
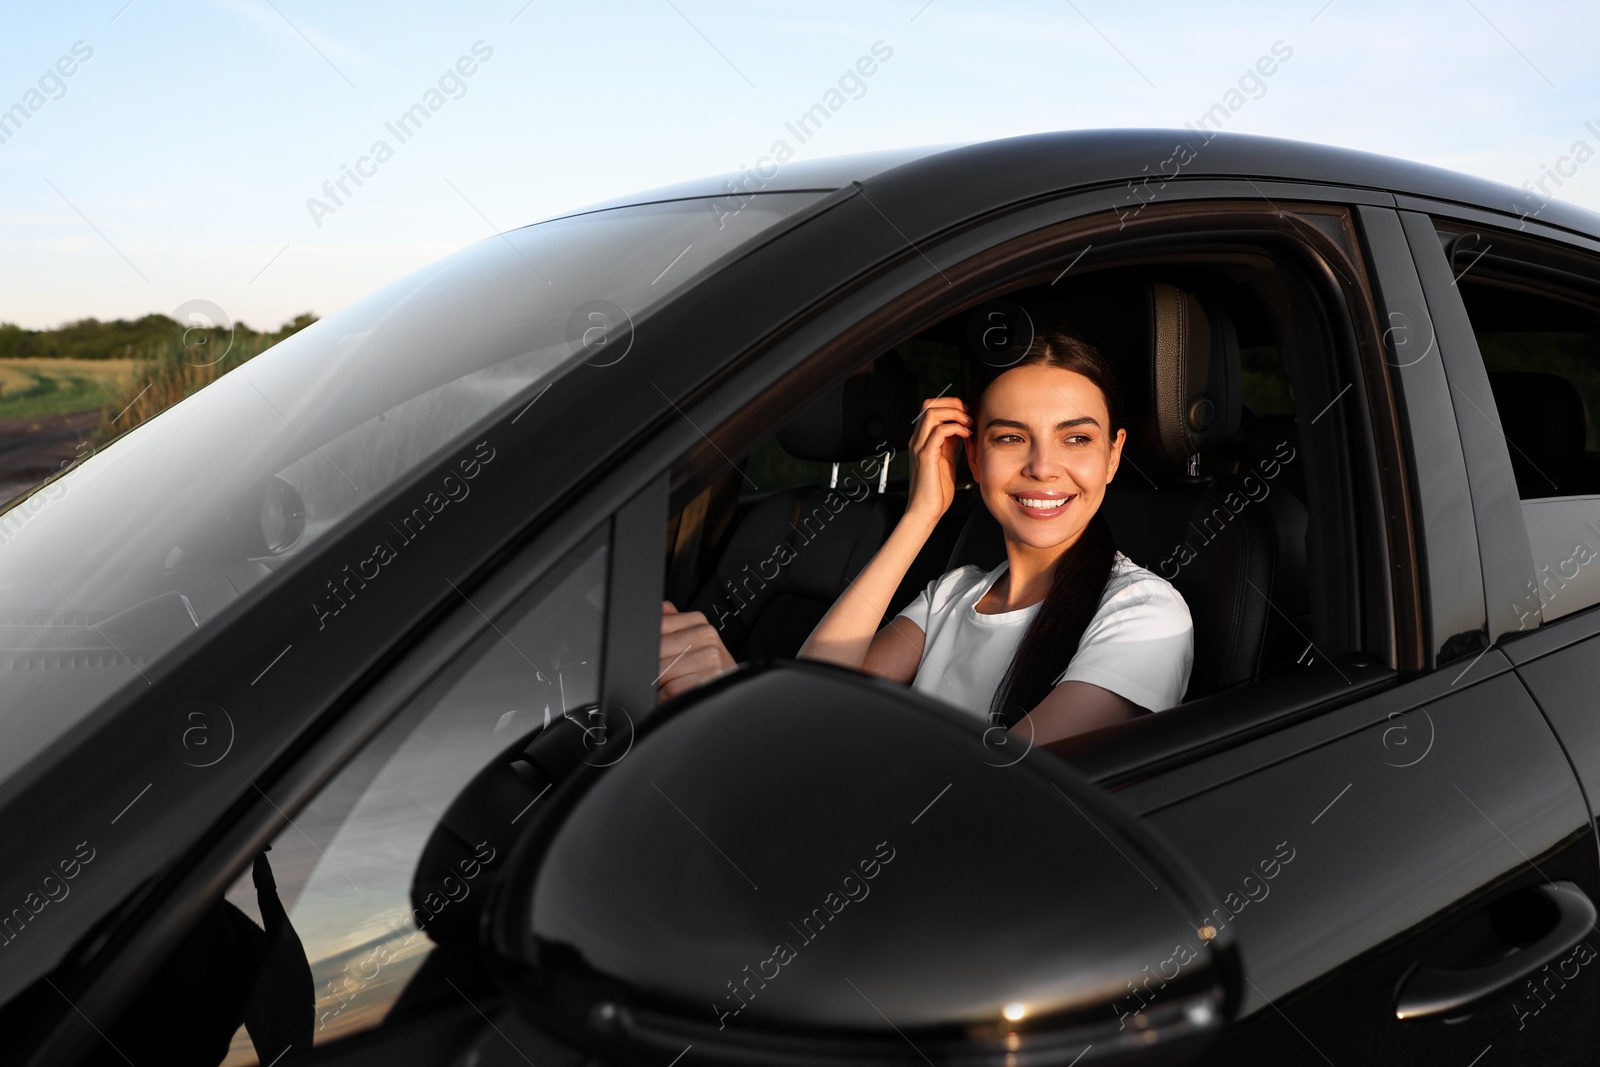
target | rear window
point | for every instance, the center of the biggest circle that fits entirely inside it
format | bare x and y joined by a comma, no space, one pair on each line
1535,313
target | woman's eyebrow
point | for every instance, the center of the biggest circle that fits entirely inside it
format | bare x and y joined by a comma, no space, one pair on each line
1064,424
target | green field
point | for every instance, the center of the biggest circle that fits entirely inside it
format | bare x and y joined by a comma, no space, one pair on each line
126,370
30,388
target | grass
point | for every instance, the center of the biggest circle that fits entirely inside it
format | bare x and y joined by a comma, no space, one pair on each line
32,388
158,383
125,391
76,368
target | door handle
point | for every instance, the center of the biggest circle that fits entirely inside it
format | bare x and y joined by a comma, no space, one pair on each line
1437,990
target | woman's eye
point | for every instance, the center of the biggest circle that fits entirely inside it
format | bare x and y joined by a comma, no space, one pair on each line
1006,437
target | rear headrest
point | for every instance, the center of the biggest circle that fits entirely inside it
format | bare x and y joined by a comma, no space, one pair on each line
1194,372
1542,415
859,417
1176,356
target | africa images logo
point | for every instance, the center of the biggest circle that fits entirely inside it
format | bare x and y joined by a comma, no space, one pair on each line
343,589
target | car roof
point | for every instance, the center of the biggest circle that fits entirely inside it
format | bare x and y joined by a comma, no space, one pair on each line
1087,158
801,175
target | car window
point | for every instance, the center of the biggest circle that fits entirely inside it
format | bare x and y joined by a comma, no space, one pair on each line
1537,324
1265,494
347,868
1265,385
108,567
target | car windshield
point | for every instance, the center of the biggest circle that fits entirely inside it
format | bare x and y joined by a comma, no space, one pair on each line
108,567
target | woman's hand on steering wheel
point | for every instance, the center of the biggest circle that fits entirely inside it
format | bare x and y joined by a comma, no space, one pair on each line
692,651
943,423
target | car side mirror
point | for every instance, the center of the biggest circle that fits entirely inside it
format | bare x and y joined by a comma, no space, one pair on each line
799,864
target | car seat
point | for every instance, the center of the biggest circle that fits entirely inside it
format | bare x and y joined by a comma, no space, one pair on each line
797,549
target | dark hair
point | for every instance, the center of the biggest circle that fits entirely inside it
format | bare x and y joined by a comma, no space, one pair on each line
1081,573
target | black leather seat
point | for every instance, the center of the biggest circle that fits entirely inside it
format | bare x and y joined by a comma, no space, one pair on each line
796,550
1233,545
1543,418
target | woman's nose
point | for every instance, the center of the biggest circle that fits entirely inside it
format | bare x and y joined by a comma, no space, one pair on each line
1043,465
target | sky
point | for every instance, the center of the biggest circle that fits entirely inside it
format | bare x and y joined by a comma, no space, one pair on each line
184,156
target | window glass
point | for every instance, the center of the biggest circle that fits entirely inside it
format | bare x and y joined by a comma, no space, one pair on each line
346,867
106,568
1266,386
1537,323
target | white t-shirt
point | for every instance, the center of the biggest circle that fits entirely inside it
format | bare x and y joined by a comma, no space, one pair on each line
1139,645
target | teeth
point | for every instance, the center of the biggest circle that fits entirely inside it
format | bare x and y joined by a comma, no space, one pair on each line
1040,502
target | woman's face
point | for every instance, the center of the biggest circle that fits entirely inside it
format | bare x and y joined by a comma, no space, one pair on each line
1043,432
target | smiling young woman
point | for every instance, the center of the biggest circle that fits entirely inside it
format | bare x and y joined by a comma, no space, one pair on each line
1067,634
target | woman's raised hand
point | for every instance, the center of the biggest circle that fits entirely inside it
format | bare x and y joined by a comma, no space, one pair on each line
942,425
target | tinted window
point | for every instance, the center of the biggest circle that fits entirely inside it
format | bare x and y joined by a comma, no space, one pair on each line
1266,386
106,568
1536,314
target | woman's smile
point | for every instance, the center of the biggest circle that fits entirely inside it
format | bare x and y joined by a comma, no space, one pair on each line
1039,506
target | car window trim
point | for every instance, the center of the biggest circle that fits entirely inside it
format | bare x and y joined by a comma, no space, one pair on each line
636,574
1477,216
1314,728
1445,523
1503,547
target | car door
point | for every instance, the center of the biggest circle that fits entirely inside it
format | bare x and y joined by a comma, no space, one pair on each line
1409,875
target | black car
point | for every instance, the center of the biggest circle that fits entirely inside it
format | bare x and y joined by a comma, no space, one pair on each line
330,712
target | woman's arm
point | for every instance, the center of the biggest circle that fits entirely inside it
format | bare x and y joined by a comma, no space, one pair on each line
1075,707
896,651
848,634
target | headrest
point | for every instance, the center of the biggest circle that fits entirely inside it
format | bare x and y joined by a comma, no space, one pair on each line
1176,357
1542,415
1194,372
859,417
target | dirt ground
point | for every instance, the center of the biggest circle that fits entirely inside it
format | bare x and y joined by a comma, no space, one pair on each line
33,448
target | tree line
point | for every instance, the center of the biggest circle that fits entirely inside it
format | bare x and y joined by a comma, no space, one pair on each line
150,337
